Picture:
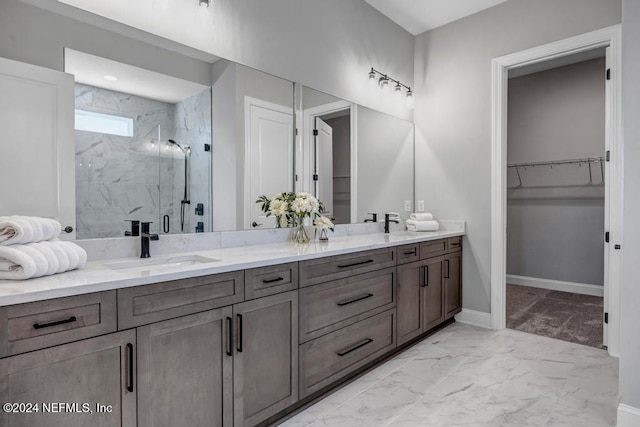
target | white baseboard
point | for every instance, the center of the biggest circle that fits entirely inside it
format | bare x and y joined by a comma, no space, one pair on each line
628,416
474,318
557,285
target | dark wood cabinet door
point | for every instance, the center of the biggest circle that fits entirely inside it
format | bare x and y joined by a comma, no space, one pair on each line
265,361
432,306
185,371
452,284
72,379
409,294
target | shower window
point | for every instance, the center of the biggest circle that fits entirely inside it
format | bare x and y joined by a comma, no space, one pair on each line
103,123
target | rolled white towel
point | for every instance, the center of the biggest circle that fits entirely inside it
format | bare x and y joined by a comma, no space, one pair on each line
20,262
25,229
422,216
413,225
53,263
61,253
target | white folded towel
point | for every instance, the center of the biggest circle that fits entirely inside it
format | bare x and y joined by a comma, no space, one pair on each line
413,225
20,262
27,229
422,216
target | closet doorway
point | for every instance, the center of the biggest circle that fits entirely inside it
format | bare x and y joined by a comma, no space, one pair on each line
502,177
556,198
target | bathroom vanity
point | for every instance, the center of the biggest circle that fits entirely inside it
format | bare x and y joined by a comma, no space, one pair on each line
241,341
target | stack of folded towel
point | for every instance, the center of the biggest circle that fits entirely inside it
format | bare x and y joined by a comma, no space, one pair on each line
29,247
422,222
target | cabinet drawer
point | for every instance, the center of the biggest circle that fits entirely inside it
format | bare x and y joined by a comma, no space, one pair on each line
36,325
408,253
331,357
333,305
337,267
454,244
152,303
433,248
264,281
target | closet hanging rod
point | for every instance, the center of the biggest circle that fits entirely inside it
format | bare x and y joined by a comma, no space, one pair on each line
557,162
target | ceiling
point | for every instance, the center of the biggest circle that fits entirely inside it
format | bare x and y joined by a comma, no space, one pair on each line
418,16
90,70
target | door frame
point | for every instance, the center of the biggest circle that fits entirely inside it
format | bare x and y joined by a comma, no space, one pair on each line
308,125
256,102
500,66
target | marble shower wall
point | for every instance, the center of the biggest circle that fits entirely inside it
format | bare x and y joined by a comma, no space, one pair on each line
140,177
192,128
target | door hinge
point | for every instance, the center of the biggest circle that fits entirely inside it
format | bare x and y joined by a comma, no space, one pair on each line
296,131
606,237
296,177
315,132
608,156
606,318
315,176
608,73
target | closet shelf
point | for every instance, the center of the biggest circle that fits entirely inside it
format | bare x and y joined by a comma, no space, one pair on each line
551,163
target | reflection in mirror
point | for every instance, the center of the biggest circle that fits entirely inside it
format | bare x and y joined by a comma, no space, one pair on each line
355,160
142,149
253,143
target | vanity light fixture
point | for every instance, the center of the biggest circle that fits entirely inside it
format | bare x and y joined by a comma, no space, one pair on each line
384,82
204,3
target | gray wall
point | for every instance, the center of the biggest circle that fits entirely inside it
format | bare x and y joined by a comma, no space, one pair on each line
453,111
555,221
327,45
36,36
630,289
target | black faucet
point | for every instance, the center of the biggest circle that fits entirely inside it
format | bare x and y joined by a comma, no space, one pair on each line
135,228
387,220
145,237
374,217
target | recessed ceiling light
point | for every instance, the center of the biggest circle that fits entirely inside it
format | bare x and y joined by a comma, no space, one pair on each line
110,78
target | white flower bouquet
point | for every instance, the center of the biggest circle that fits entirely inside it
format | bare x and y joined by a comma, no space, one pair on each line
290,210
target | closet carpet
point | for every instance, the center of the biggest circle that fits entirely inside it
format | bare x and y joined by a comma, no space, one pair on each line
562,315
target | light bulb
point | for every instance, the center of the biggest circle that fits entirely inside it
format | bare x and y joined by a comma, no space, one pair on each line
383,82
372,77
410,100
204,3
398,89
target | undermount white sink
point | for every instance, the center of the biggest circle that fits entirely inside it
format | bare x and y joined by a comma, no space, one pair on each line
160,263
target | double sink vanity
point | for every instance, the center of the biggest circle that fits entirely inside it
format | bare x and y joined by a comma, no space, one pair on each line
236,336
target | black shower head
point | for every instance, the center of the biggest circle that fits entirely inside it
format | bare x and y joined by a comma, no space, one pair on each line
171,141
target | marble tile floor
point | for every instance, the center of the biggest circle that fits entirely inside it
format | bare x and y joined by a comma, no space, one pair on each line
469,376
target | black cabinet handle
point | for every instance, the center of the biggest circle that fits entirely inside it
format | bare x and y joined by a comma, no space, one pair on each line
239,346
425,279
130,376
229,336
277,279
356,299
413,252
446,270
59,322
356,263
165,223
355,347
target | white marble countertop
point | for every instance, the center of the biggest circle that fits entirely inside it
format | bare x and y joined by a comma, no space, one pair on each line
96,276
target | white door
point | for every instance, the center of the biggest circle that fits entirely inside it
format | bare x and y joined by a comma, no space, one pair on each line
324,165
269,171
37,167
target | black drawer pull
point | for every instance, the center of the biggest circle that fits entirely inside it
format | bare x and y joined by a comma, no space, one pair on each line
277,279
425,279
356,263
355,347
239,344
130,376
413,252
356,299
59,322
446,274
229,336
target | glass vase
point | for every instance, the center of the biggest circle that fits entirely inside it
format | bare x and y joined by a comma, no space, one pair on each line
300,234
324,237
